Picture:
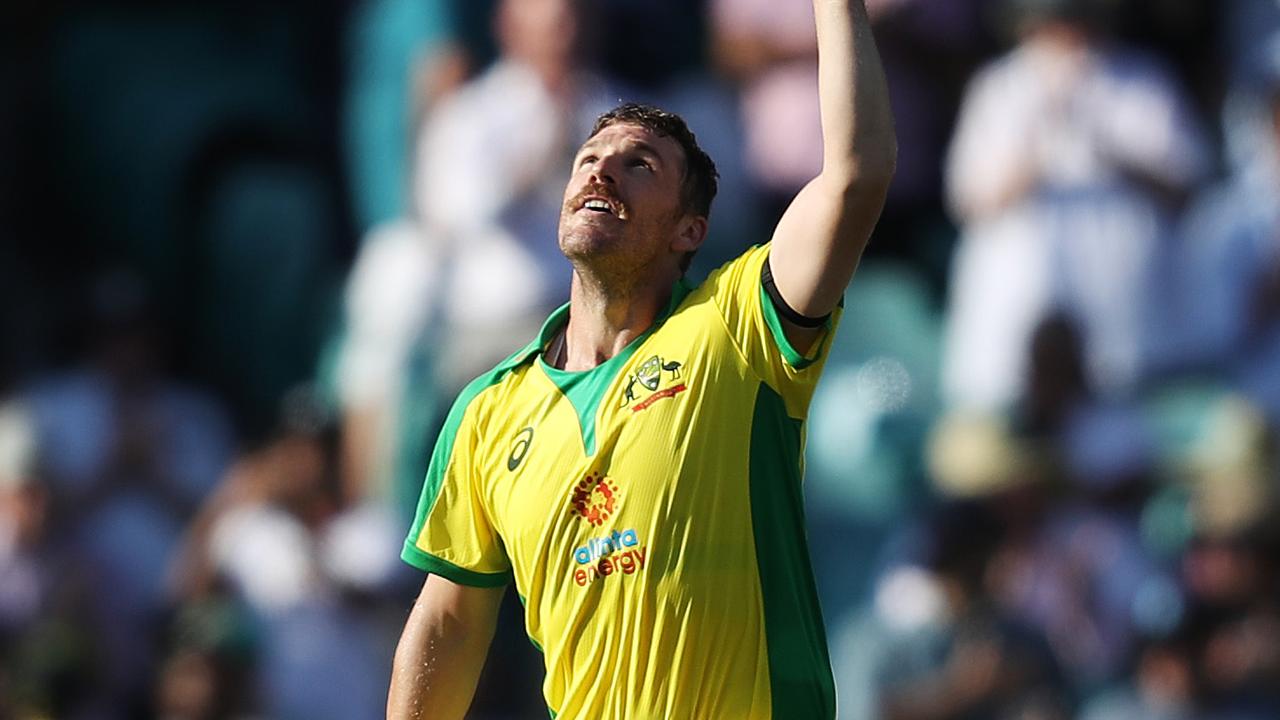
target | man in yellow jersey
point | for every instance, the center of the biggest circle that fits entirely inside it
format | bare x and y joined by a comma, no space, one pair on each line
635,469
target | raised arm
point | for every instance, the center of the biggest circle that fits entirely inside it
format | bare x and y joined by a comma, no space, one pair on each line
442,650
820,238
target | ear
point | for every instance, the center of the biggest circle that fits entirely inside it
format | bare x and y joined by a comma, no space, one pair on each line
690,233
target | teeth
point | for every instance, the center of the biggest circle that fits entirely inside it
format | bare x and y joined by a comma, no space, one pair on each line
597,205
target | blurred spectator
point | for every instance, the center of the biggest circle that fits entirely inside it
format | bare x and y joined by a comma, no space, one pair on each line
27,573
1231,273
1068,156
310,569
929,49
1231,580
1162,687
49,653
1251,44
128,454
935,646
401,55
188,689
1074,566
118,420
490,175
770,49
24,510
1084,579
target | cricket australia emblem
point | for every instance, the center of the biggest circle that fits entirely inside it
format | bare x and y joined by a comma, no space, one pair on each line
654,379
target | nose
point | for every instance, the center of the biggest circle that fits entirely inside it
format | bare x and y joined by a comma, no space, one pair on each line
604,169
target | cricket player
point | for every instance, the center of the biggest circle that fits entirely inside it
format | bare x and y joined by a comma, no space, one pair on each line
635,470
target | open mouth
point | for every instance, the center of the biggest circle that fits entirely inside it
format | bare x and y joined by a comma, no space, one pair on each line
601,206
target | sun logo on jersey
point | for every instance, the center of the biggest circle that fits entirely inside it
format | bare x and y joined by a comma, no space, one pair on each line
648,377
595,499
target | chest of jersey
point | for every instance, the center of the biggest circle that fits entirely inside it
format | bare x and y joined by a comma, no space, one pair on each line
600,486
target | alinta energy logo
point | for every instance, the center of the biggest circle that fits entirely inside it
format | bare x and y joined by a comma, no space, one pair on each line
619,553
595,499
649,377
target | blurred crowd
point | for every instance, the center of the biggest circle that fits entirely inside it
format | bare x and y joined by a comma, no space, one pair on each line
250,251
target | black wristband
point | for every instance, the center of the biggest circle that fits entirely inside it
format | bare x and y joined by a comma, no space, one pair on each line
785,310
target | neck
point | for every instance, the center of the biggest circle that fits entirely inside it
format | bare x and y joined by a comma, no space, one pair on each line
605,317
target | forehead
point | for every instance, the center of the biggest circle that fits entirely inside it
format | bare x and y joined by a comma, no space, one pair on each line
627,136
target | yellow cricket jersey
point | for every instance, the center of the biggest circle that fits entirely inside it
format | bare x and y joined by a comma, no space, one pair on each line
649,511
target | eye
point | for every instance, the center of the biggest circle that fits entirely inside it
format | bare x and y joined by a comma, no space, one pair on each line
640,162
586,159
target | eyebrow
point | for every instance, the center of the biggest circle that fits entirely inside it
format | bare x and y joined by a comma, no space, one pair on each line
640,145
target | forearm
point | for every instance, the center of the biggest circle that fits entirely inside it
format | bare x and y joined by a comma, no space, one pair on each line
859,145
820,237
442,651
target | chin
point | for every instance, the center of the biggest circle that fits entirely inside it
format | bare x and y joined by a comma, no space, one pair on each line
587,243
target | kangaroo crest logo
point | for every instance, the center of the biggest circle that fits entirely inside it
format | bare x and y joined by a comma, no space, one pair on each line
595,499
649,376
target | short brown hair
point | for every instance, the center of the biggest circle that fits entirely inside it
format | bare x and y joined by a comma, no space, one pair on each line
700,181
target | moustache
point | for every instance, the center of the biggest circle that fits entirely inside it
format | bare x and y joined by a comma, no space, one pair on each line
599,191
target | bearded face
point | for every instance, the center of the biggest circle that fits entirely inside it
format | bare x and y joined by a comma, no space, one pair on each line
622,207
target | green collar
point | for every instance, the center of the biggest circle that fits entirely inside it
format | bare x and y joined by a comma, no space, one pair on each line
585,388
560,316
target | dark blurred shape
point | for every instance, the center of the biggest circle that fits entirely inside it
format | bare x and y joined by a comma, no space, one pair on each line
396,54
1098,15
649,43
281,573
261,228
1163,685
929,49
127,452
1056,383
1235,620
937,647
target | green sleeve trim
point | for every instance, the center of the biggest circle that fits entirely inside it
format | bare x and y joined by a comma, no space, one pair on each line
447,570
793,357
442,454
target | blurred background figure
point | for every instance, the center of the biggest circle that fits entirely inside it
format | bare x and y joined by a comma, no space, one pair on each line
935,646
770,51
1070,155
403,55
1231,267
280,553
248,252
127,453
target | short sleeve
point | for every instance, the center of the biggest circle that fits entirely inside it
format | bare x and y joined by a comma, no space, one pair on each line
452,535
756,328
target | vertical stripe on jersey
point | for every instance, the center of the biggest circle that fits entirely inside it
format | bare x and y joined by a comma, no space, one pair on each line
801,685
